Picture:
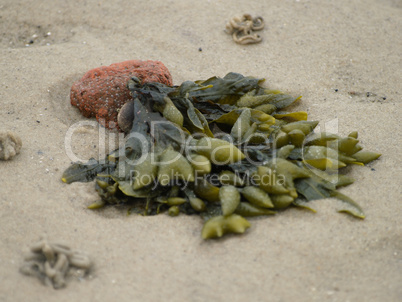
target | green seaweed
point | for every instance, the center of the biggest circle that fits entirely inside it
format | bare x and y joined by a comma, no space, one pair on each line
207,145
86,172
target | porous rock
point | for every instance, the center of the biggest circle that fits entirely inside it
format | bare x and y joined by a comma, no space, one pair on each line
102,91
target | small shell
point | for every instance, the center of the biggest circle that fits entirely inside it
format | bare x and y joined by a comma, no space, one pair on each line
125,118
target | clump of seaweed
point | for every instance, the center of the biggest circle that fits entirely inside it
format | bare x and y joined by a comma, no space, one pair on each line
52,263
242,29
224,149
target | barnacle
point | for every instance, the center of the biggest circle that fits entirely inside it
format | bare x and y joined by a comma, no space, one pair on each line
222,148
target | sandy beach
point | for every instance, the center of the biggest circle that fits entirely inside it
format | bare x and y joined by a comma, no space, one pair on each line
343,57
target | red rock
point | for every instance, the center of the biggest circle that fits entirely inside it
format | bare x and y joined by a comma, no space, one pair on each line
102,91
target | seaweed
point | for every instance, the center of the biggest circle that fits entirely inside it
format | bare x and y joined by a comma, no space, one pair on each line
223,149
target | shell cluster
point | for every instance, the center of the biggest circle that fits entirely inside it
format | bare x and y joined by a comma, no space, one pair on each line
223,149
53,262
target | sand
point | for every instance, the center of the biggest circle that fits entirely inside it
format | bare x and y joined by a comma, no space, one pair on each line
343,57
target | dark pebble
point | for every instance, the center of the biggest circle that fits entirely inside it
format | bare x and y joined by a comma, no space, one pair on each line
200,49
336,90
372,169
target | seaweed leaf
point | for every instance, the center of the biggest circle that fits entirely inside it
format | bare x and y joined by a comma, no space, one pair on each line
349,205
291,116
86,172
281,100
311,189
226,90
